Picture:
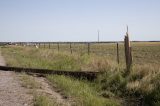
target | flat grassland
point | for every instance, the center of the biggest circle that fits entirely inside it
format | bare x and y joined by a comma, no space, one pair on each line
111,88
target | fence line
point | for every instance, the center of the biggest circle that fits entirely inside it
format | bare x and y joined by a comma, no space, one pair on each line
88,47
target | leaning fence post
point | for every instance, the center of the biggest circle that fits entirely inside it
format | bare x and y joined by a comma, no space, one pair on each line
128,53
118,53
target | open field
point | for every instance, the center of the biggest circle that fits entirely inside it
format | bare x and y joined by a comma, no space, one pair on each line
143,52
141,86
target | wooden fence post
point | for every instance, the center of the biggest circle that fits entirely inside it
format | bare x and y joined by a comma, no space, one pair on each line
118,53
39,45
53,44
88,48
58,46
44,45
128,53
71,47
49,45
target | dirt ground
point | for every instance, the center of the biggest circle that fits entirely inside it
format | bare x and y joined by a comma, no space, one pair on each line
12,93
50,91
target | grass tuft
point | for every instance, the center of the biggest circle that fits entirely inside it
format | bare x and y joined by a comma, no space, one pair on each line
84,94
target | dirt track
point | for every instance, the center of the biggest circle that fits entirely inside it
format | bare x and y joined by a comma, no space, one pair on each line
47,89
11,92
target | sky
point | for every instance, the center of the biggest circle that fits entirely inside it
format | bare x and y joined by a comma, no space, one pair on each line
79,20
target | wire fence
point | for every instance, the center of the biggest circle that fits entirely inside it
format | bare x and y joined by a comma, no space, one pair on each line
111,49
142,52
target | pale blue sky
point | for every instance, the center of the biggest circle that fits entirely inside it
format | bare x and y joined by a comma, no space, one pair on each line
78,20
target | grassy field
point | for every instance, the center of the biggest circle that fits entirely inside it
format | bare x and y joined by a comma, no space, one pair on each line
142,51
111,88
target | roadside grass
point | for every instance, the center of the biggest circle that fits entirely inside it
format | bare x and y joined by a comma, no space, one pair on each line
42,100
84,93
28,82
47,59
142,84
28,57
142,81
38,99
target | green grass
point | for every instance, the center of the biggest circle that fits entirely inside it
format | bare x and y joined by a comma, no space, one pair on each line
39,99
28,57
84,93
143,52
142,81
48,59
42,100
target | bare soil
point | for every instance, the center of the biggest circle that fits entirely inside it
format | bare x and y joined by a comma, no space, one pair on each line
11,91
47,89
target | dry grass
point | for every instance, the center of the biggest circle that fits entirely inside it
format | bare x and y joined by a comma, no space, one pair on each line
28,81
143,79
39,99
